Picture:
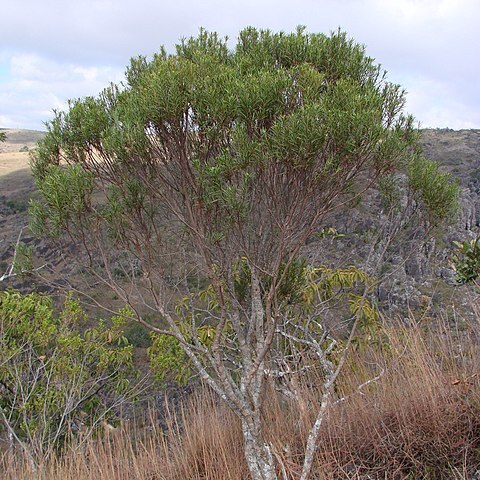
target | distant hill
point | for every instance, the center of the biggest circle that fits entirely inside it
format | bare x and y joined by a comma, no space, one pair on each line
18,139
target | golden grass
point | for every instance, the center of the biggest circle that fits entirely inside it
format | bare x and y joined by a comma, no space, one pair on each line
13,161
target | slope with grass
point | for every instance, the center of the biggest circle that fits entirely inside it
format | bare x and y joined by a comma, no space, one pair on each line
408,408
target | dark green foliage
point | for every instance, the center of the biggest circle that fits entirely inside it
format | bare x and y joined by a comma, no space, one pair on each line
17,206
137,335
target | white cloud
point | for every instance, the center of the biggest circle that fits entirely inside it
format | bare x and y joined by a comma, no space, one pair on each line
436,104
63,49
5,120
38,85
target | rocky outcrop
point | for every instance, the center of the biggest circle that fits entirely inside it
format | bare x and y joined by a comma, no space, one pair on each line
415,271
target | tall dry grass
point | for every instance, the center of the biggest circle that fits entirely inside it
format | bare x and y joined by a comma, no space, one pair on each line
421,420
418,419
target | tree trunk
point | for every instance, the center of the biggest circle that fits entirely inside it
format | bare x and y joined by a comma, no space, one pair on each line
258,454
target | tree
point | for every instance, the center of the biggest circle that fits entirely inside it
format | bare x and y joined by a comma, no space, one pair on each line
212,168
55,381
3,136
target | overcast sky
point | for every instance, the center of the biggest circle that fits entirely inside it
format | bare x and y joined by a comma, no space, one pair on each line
53,50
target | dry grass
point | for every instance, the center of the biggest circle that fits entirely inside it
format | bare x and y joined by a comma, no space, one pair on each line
419,420
13,161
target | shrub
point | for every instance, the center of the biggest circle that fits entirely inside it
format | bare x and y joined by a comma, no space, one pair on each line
55,380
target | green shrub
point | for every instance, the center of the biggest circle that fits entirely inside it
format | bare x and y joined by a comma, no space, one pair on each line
466,261
54,380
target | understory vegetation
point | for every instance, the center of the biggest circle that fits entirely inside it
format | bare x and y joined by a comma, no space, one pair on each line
405,407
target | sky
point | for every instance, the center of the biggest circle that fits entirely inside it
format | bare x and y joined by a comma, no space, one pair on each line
52,51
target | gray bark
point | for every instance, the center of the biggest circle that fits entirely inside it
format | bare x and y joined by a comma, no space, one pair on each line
258,454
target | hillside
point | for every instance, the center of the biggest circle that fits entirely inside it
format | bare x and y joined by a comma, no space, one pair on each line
425,419
16,185
15,179
418,274
19,139
14,158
